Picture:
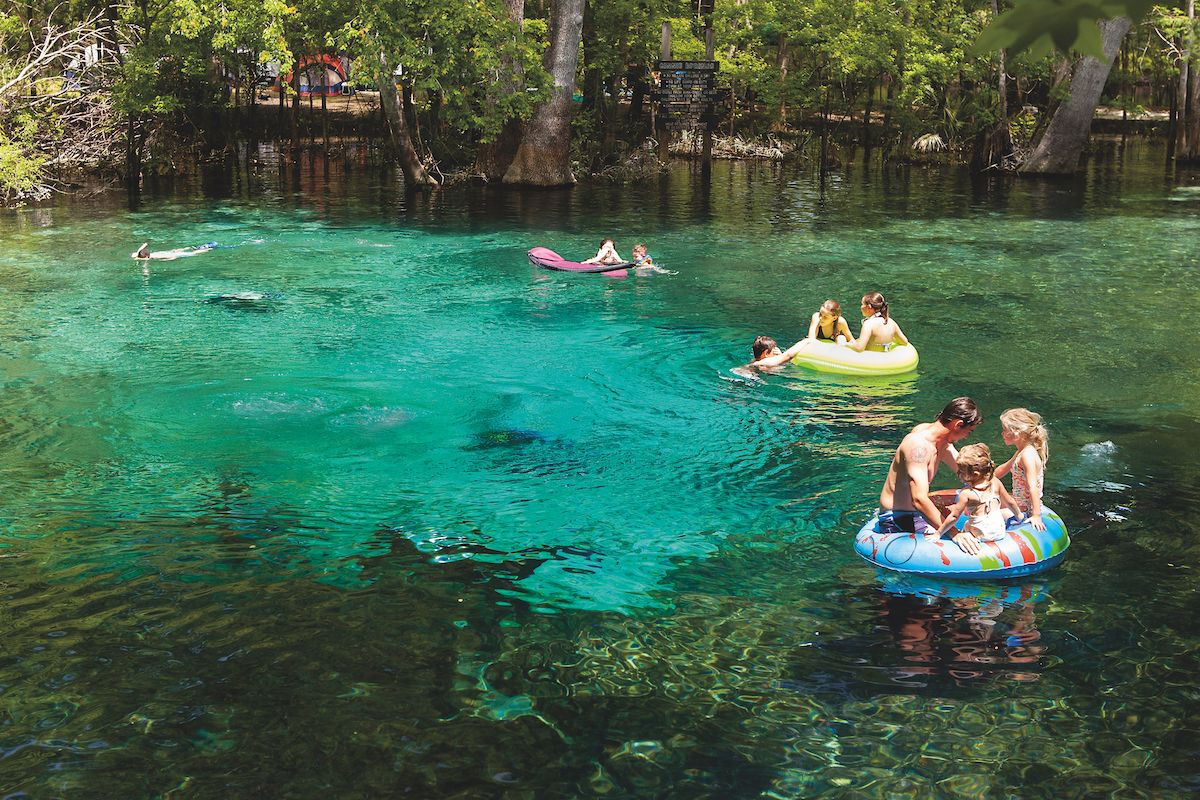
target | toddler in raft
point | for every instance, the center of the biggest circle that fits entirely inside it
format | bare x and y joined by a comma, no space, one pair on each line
1023,428
829,325
980,500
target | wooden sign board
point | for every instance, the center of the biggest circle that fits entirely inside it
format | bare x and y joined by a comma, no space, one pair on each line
686,95
690,66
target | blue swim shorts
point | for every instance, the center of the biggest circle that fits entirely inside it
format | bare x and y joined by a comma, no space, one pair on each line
904,522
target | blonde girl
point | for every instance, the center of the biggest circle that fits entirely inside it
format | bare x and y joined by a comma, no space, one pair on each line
879,331
981,500
1023,429
829,324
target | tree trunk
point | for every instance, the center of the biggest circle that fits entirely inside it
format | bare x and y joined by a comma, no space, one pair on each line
296,112
1002,82
1059,150
867,119
281,109
544,157
324,108
1193,115
590,73
783,63
993,146
495,157
1188,144
389,99
133,157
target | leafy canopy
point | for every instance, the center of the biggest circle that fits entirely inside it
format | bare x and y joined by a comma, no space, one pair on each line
1040,25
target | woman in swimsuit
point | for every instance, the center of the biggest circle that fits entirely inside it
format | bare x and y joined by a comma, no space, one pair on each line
879,331
829,325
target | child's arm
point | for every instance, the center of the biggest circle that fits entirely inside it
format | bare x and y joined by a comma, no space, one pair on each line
843,328
1006,467
964,538
900,335
864,336
953,513
1034,474
784,357
812,326
1007,499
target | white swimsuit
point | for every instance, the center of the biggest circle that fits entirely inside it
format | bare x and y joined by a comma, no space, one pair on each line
985,519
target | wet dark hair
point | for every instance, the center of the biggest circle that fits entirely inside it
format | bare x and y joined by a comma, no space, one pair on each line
763,344
875,300
962,408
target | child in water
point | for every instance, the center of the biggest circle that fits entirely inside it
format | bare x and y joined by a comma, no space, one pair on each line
829,325
644,263
144,252
1024,429
641,258
607,254
879,332
980,500
766,352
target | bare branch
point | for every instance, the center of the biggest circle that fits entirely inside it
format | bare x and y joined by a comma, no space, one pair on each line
56,46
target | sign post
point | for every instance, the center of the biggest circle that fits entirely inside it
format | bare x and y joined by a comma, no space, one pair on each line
664,137
687,91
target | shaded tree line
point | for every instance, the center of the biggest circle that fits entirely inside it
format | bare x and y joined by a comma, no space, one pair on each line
511,91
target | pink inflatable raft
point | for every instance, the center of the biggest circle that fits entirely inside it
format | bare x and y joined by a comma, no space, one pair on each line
548,259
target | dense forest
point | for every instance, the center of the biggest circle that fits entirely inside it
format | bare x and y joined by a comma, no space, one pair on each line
537,93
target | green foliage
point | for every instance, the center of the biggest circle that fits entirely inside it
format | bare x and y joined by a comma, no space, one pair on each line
1126,104
1040,25
22,167
10,30
461,51
1022,127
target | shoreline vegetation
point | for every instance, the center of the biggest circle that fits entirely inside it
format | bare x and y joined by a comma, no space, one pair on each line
356,120
545,96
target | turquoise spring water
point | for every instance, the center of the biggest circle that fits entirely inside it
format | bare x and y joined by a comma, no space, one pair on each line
365,505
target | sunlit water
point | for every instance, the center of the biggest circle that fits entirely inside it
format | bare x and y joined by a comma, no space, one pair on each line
362,504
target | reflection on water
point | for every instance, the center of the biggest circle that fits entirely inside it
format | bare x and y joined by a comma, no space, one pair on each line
963,631
370,506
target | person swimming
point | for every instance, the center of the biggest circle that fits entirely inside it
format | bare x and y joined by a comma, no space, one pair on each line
144,252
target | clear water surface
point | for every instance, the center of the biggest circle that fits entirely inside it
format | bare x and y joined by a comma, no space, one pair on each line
364,505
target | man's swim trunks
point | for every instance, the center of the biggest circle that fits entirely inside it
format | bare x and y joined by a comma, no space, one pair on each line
904,522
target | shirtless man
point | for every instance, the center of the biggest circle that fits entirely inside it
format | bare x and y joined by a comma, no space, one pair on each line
905,503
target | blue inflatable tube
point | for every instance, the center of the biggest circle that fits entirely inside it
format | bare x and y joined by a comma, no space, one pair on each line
1022,551
1012,592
